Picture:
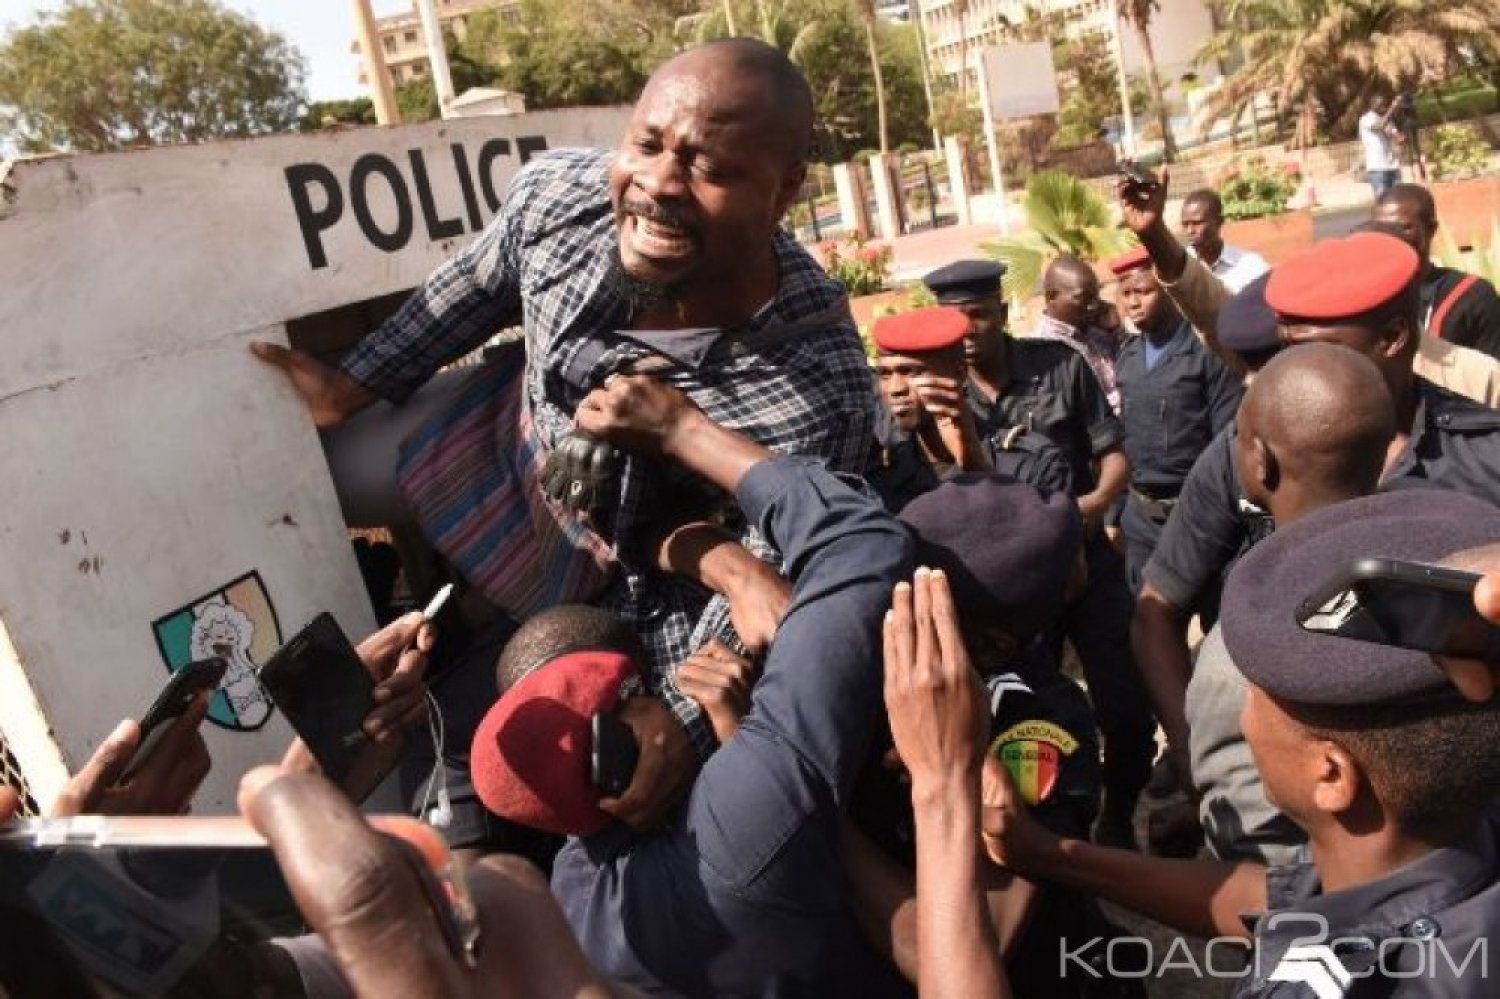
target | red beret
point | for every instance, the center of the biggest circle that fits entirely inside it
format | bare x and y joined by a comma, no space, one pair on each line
933,328
1136,259
530,757
1341,278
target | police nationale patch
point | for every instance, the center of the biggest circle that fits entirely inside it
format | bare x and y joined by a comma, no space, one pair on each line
1033,751
236,622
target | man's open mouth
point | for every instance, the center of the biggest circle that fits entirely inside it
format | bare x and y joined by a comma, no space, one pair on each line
651,235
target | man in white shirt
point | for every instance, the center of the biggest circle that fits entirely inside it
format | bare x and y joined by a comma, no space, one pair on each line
1377,135
1202,220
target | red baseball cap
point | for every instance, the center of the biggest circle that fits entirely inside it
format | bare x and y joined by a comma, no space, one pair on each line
936,327
530,756
1342,278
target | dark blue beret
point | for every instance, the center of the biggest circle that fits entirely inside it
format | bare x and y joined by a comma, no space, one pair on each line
965,281
1262,595
1246,322
1008,550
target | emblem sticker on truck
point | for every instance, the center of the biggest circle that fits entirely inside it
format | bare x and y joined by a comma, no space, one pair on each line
238,623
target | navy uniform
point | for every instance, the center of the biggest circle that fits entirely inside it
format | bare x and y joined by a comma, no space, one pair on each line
899,468
1040,723
1173,403
1407,928
1454,444
1052,391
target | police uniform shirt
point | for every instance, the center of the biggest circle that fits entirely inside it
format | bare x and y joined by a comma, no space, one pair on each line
1404,935
1053,392
1471,318
899,472
1172,410
1455,444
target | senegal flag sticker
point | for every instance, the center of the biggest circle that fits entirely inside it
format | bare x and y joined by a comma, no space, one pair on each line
1033,752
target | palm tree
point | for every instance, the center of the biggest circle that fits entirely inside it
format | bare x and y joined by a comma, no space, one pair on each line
774,24
866,11
1064,215
1137,14
1324,59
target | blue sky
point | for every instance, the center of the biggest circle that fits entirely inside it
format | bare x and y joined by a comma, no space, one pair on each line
322,29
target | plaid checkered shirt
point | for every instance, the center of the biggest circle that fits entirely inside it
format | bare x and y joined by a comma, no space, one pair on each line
552,254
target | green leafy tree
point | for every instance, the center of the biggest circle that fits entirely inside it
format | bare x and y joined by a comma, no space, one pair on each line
324,114
775,22
107,74
1063,215
1324,59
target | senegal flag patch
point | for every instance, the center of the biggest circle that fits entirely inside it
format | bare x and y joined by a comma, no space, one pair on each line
1033,752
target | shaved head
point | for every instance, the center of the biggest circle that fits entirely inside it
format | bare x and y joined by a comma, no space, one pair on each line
1325,413
752,79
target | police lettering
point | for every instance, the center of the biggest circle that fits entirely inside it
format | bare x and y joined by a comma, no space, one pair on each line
320,200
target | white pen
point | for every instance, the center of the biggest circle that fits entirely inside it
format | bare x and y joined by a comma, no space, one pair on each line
436,604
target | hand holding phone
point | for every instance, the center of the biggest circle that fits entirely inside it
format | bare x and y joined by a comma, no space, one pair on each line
176,697
1136,175
124,778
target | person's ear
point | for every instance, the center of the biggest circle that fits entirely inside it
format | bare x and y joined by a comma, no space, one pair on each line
790,187
1264,466
1337,778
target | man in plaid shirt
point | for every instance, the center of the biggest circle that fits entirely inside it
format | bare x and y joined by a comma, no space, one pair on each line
668,250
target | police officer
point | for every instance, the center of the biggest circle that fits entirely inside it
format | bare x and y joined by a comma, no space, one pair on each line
925,430
1175,397
1048,387
1361,292
1368,748
1007,551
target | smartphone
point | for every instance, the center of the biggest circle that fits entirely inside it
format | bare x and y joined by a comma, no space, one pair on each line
614,756
1410,605
319,682
1138,175
176,694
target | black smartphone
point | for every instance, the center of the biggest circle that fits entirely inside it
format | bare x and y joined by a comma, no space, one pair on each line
614,755
1138,175
319,682
1411,605
176,694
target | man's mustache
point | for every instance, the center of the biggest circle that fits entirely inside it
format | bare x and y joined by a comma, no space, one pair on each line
653,212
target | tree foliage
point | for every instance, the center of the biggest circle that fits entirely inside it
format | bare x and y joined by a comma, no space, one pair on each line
565,53
107,74
1063,215
1324,59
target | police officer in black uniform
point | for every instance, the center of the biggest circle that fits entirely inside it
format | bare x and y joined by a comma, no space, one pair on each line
1370,749
924,429
1008,552
1362,292
1047,387
1175,397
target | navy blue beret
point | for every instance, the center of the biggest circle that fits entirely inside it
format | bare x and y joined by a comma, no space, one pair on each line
1262,595
965,281
1008,550
1246,322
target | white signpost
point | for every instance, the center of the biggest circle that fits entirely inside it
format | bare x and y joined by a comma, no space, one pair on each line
165,496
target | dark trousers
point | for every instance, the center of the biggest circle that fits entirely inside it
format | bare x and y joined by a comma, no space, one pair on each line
1141,536
1098,625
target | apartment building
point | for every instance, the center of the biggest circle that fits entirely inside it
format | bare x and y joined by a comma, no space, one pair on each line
957,29
401,35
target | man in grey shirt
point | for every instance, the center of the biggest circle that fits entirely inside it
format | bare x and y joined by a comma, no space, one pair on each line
1313,431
